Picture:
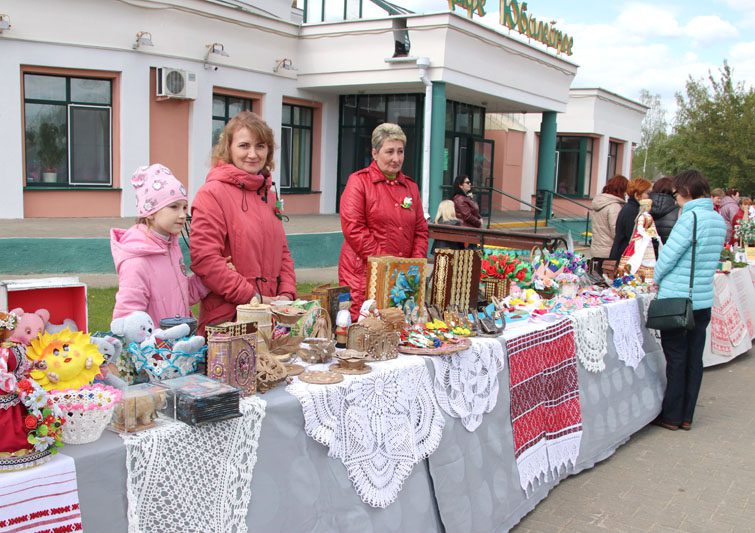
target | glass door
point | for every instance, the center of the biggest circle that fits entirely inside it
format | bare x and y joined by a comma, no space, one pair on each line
482,173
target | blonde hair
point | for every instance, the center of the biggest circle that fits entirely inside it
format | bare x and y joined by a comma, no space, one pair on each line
446,211
387,132
258,128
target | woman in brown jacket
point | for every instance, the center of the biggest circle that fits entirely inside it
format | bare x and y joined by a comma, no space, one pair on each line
467,209
606,207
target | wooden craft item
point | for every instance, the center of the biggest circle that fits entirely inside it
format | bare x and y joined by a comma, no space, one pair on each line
327,295
351,367
321,377
454,279
294,369
259,314
371,336
393,318
317,350
233,359
381,278
445,349
269,373
231,328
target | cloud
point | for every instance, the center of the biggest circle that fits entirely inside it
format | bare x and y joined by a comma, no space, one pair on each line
710,28
746,10
649,19
742,60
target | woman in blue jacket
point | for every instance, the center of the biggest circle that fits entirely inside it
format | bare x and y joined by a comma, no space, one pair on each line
684,349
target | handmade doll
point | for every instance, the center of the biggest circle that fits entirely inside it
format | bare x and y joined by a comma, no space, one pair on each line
638,258
343,319
13,368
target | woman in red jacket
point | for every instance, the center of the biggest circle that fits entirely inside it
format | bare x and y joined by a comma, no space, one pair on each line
235,215
467,209
381,213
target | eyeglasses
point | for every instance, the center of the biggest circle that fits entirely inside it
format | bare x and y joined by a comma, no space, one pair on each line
674,193
466,182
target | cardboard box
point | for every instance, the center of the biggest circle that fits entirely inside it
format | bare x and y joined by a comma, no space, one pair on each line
64,297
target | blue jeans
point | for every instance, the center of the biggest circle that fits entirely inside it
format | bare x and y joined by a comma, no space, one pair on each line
684,369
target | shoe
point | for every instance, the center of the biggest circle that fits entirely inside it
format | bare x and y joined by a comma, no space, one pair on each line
686,426
662,423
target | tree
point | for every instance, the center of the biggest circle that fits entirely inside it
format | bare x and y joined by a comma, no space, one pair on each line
646,161
714,132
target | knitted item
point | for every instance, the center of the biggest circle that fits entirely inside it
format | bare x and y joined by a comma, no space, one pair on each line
624,319
155,187
545,411
590,337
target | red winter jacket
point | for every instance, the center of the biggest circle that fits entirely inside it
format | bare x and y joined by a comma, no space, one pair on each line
233,214
374,223
467,211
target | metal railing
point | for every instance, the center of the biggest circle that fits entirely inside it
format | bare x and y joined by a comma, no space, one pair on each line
587,208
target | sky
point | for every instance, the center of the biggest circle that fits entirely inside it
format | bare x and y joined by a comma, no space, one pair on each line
625,47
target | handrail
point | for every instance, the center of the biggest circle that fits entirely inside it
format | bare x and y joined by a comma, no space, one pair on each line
536,208
493,237
583,206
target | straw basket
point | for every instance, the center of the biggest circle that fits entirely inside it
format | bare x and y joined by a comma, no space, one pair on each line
263,316
87,411
499,288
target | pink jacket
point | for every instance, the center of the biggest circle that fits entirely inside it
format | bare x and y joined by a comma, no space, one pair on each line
152,275
234,214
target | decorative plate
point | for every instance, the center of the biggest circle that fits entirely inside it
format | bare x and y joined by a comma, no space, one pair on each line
444,349
321,377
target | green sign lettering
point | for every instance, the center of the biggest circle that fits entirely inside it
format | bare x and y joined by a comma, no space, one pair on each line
513,15
472,6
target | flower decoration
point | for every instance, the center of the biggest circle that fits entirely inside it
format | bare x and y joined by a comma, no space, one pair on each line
406,286
745,231
8,321
504,266
44,421
64,360
570,262
407,203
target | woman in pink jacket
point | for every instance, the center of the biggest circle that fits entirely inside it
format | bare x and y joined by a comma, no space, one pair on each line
235,213
151,272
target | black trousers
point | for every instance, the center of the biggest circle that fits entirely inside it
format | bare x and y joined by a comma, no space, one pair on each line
684,369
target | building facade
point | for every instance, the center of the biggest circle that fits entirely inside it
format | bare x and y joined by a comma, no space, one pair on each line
82,108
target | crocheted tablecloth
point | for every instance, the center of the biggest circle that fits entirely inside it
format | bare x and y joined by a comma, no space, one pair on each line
624,319
466,383
44,498
590,337
545,411
183,478
379,424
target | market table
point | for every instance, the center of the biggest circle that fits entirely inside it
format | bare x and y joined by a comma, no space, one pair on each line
739,285
470,482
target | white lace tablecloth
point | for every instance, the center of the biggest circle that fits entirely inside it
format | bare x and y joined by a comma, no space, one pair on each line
590,337
379,424
466,383
624,319
187,479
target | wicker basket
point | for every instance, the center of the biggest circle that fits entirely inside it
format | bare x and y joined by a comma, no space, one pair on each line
234,329
87,411
547,294
372,336
499,288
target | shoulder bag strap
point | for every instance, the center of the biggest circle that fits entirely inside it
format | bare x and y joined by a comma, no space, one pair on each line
694,247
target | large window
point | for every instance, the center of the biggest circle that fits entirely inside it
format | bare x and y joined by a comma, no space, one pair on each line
296,148
224,108
613,159
68,130
574,165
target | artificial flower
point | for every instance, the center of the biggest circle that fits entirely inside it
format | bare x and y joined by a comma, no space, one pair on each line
407,203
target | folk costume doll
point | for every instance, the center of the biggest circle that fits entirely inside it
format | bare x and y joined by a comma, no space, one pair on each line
343,319
639,256
13,368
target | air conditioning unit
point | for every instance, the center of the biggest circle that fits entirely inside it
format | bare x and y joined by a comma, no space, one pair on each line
176,83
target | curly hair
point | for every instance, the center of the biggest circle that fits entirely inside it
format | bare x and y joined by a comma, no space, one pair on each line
616,186
387,132
258,128
637,186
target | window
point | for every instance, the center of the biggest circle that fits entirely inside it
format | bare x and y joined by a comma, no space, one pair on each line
613,159
573,165
68,130
296,148
224,108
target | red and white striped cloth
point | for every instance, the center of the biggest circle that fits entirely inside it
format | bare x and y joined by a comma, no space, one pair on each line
41,499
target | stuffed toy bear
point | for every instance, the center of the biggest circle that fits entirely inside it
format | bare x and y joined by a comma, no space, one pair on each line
139,412
28,325
138,327
55,328
109,346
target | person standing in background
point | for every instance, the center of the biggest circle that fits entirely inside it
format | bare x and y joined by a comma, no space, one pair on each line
729,209
606,207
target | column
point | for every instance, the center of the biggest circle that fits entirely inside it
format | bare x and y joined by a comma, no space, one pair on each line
437,146
546,162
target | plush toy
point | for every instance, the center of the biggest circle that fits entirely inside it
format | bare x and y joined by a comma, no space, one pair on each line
67,323
110,347
138,412
28,325
138,327
65,360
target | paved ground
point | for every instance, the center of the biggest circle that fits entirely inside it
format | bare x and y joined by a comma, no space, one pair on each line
701,480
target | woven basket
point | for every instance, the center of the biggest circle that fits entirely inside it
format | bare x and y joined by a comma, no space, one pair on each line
547,294
499,288
87,411
233,329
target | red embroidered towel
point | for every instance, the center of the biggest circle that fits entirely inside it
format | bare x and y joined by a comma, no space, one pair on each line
545,411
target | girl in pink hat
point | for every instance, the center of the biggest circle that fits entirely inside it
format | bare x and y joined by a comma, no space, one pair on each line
152,275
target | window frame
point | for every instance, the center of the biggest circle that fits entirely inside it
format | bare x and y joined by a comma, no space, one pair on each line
290,125
612,159
68,74
584,163
226,104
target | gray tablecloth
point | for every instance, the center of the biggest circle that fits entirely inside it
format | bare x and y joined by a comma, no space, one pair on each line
469,484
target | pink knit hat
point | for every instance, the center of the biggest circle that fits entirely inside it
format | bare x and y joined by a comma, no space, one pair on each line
156,187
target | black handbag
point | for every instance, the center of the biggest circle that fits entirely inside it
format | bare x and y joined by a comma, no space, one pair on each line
675,313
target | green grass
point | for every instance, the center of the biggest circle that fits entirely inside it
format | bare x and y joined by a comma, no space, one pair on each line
100,303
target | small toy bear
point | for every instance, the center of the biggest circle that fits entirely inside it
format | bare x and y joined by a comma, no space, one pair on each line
138,327
28,325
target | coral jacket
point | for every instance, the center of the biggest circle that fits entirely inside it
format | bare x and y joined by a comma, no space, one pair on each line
375,223
234,215
152,275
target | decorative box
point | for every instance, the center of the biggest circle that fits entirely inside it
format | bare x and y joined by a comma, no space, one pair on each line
454,279
197,400
232,359
138,408
396,281
327,295
374,337
262,316
64,297
499,288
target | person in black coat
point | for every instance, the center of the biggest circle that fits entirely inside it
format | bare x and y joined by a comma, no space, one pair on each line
637,189
664,211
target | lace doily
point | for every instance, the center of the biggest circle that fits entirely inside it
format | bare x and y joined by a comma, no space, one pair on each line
624,319
466,383
379,425
590,337
182,478
644,300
